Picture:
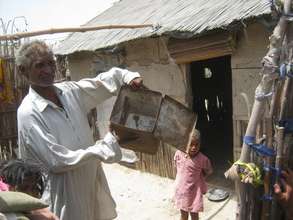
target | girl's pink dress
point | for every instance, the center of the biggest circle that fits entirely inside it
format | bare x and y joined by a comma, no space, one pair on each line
3,186
190,182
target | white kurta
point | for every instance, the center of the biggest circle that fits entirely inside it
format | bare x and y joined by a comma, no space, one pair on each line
61,142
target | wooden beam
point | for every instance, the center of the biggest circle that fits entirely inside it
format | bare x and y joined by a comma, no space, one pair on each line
70,29
206,47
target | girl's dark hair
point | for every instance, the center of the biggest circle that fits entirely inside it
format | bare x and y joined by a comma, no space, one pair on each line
15,172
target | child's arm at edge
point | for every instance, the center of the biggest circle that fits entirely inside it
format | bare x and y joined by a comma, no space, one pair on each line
207,169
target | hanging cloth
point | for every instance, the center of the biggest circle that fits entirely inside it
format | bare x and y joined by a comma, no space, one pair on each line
6,93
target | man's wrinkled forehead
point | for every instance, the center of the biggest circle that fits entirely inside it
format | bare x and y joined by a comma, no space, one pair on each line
43,54
43,58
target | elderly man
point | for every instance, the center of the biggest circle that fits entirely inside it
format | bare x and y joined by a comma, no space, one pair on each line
54,132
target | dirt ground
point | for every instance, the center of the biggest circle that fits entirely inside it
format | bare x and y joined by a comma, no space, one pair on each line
144,196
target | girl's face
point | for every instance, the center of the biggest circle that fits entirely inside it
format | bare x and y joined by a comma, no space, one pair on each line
29,186
193,148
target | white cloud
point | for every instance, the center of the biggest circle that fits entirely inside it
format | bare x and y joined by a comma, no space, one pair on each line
45,14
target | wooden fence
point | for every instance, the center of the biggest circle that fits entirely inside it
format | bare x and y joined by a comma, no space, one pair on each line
13,88
160,163
16,88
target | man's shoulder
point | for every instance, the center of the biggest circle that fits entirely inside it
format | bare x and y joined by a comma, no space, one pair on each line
26,108
66,86
25,105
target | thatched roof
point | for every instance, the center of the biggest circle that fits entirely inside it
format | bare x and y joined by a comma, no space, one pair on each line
189,16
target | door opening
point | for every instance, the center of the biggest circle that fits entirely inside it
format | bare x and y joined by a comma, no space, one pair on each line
212,101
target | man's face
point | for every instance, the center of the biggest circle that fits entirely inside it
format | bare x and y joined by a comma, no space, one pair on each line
42,71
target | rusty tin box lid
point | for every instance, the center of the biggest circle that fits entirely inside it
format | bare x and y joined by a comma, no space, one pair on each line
175,123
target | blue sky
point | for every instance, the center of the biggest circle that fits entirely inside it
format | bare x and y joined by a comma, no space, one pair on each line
45,14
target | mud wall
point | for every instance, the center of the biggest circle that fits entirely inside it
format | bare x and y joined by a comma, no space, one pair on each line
252,46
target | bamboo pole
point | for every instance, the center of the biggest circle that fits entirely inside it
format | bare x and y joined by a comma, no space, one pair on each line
267,204
17,36
280,134
281,137
267,174
279,163
271,60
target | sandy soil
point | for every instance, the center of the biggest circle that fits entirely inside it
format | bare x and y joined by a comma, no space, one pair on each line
143,196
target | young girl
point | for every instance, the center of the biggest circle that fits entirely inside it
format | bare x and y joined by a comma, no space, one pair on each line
26,177
192,168
22,177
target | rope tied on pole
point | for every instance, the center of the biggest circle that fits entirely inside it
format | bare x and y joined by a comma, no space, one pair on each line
286,69
267,197
287,124
260,149
274,170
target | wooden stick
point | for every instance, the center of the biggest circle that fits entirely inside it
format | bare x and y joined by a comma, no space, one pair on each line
267,204
266,212
280,162
70,29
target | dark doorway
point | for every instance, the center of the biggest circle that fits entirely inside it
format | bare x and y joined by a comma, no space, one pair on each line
212,101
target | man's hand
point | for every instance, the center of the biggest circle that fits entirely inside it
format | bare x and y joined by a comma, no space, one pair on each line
285,197
126,139
136,83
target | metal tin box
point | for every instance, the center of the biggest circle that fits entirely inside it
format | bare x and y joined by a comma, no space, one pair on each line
142,118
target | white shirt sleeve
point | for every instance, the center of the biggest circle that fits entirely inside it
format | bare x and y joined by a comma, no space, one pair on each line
56,158
96,90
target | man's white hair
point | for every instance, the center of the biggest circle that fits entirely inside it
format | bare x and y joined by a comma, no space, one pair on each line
30,51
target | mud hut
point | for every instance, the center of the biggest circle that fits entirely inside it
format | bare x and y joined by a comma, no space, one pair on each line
204,53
